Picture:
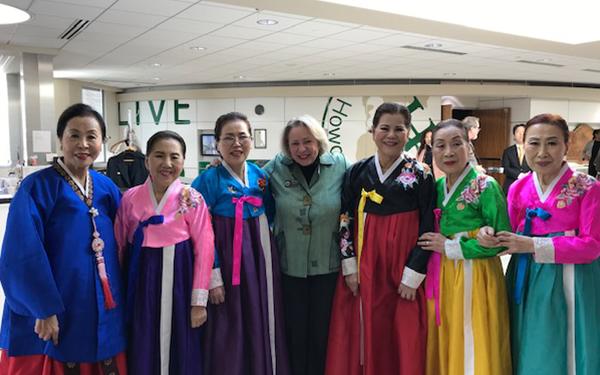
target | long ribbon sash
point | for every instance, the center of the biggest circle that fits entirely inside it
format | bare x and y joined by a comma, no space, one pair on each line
522,258
238,232
432,282
372,195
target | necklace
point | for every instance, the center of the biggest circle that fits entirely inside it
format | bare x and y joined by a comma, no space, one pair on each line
97,243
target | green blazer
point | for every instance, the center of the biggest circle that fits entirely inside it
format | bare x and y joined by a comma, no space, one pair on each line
307,215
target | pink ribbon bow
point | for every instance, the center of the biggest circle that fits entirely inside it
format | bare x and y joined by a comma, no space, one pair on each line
432,283
238,231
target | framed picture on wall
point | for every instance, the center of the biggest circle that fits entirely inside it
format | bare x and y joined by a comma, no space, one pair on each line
208,145
260,138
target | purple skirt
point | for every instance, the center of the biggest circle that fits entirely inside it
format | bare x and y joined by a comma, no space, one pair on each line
245,334
161,333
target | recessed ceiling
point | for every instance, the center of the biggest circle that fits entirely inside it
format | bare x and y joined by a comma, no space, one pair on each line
132,43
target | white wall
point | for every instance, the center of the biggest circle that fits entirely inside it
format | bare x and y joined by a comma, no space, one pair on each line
574,111
346,119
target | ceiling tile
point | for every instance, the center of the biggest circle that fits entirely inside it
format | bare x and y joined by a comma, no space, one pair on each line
317,29
210,41
327,43
88,3
279,14
190,26
27,30
286,38
153,7
52,8
95,49
302,51
240,32
399,40
360,35
8,29
130,18
364,48
252,22
41,20
21,4
208,13
115,29
37,41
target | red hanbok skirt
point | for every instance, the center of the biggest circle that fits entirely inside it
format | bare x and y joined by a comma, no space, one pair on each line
40,364
379,330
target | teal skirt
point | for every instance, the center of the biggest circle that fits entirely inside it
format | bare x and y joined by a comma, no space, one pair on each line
555,330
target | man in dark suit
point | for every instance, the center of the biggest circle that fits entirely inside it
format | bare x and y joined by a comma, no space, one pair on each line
513,159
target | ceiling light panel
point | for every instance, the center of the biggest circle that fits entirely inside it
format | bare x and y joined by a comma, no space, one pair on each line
10,15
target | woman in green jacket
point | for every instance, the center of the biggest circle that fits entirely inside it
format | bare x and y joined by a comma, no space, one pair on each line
306,182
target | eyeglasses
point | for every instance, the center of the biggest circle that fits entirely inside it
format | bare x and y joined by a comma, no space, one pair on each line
230,140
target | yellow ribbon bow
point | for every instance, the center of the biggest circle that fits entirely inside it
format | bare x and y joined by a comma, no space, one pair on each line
372,195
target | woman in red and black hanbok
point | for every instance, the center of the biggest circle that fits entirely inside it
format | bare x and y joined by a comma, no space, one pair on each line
379,326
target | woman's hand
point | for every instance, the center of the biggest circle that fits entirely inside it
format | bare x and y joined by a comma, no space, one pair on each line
352,282
515,243
198,316
214,163
486,237
47,329
407,292
433,242
217,295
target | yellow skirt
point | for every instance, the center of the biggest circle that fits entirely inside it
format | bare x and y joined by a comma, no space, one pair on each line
478,341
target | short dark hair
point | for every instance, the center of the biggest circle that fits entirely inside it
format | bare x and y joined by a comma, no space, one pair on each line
550,119
79,110
391,108
464,133
228,117
517,127
164,134
596,132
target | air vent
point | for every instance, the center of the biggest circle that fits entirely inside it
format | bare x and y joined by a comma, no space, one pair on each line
434,50
75,29
540,63
592,70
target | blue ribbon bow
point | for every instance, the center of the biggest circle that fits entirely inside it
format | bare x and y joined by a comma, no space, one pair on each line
134,260
522,258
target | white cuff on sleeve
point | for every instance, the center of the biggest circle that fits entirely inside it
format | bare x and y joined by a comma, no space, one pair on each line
216,280
412,278
199,297
349,266
543,248
453,250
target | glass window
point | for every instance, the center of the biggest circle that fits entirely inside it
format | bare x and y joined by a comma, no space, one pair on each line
4,127
95,99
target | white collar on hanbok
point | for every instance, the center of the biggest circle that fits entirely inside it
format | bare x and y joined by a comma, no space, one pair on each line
83,191
462,176
158,206
235,176
538,188
384,176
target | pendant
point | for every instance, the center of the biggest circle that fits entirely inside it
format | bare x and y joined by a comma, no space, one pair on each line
97,243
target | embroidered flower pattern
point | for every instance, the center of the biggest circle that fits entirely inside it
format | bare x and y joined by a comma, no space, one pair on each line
346,246
188,198
577,185
262,184
407,176
473,190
